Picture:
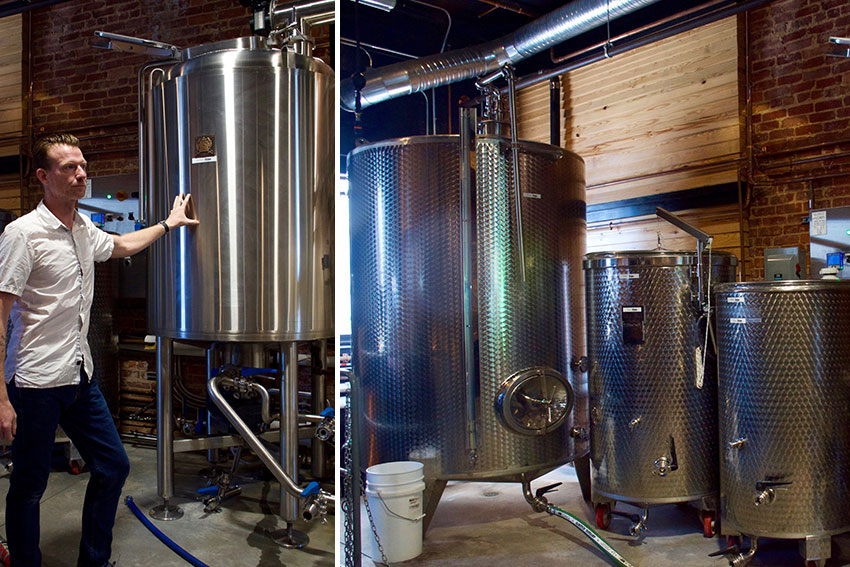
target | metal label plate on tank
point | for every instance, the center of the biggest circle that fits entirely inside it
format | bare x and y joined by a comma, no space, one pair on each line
629,276
734,300
744,320
532,195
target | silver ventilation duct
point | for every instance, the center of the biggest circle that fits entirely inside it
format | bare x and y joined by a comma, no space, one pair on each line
441,69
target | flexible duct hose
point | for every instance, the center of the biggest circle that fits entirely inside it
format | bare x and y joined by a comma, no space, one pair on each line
191,559
616,559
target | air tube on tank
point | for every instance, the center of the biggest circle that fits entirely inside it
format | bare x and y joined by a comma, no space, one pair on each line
162,537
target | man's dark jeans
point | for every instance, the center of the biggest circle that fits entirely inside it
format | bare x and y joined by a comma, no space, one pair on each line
83,414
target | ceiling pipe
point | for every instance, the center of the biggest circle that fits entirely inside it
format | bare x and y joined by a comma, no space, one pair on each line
408,77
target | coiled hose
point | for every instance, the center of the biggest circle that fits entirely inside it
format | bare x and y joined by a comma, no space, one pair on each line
191,559
616,559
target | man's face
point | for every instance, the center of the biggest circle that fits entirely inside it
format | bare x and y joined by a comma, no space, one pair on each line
65,179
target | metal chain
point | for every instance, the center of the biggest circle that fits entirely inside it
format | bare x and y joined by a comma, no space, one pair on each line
348,500
374,530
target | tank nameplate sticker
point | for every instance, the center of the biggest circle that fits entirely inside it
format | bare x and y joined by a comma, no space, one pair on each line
209,159
744,320
629,276
633,325
204,146
532,195
734,300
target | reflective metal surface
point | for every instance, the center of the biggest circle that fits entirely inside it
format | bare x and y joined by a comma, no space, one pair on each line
248,131
408,308
784,367
653,425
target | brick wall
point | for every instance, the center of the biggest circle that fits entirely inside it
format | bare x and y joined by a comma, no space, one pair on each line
800,121
93,92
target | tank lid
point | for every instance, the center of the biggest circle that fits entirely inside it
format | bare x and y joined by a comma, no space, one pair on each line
788,286
241,43
655,258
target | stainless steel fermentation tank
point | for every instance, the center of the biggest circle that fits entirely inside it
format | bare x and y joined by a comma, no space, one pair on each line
784,426
248,130
463,365
653,413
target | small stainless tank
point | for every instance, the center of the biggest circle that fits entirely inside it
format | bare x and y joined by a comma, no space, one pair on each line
784,389
410,308
653,417
248,131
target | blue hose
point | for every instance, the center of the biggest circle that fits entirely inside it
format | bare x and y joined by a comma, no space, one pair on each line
162,537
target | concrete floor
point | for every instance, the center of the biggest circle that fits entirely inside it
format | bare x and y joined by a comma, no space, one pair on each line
234,536
490,525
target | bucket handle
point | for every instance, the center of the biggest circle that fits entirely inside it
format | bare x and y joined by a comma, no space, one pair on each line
387,508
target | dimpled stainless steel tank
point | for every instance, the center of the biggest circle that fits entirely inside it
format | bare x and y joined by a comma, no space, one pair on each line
784,397
410,310
248,131
653,417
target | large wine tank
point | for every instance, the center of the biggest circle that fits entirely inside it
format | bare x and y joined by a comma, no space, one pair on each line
784,361
472,379
653,411
248,131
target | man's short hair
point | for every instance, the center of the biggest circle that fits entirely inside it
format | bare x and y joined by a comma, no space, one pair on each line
43,145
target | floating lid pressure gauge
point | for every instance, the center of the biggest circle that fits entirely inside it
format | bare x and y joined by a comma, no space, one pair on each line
534,401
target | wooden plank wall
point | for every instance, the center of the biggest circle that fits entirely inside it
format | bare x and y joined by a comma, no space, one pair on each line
11,105
656,113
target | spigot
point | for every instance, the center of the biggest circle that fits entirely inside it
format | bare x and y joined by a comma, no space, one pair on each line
315,506
766,496
579,433
662,466
638,527
325,429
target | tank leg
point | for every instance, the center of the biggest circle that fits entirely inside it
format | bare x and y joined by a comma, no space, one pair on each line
164,433
319,354
582,465
289,537
433,492
816,550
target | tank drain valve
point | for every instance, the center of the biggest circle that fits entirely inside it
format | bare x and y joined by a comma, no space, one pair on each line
325,429
738,443
579,433
766,491
639,526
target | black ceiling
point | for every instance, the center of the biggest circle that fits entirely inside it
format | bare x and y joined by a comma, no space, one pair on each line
418,30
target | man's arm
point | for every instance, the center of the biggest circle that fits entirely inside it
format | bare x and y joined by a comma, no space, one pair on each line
8,419
132,242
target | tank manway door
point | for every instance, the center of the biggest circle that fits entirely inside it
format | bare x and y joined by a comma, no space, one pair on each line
534,401
633,325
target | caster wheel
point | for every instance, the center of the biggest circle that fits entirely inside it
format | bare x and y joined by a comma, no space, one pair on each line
603,516
709,524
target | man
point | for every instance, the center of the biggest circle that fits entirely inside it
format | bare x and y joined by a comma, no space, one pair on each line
46,283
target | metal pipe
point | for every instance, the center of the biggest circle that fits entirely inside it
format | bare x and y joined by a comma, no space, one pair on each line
407,77
509,75
468,120
702,239
288,485
555,111
616,49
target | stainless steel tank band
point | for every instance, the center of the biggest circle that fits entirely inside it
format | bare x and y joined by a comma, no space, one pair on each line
654,258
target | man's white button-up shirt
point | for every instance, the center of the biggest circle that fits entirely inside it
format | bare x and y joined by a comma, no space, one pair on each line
51,270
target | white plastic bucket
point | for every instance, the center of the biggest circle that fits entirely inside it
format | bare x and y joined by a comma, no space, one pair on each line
394,491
